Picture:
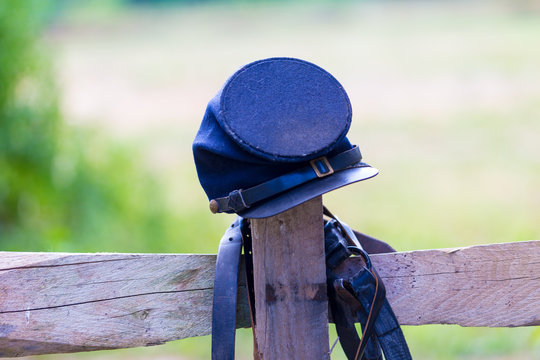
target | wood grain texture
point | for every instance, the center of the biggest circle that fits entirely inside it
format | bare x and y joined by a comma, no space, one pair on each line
53,302
290,284
494,285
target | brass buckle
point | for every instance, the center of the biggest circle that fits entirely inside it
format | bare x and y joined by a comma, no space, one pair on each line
326,163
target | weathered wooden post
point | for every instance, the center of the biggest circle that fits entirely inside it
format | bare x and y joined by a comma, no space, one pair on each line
290,284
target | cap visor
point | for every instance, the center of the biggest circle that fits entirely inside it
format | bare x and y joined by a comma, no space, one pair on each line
309,191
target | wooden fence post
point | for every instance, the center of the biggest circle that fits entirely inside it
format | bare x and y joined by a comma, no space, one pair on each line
290,284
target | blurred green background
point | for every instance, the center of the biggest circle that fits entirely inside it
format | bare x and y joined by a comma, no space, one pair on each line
100,100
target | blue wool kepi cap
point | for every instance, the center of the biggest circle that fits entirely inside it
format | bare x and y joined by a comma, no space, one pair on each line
274,137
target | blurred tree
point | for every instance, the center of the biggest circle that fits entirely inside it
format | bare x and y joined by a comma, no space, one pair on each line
29,120
63,189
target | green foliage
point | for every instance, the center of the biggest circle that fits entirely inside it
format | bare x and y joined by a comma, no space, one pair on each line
64,189
29,121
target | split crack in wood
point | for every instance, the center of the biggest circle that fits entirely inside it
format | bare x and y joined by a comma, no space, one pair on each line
430,274
29,267
101,300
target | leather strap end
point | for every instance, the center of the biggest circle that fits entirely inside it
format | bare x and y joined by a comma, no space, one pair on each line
214,206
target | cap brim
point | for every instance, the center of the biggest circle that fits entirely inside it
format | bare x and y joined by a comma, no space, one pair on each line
309,191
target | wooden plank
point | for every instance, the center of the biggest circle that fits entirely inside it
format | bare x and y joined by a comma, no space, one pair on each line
494,285
290,284
53,303
57,302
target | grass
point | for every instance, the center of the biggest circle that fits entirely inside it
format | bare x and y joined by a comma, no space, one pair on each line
446,101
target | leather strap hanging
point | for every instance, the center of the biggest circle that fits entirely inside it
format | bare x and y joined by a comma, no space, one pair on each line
360,298
225,288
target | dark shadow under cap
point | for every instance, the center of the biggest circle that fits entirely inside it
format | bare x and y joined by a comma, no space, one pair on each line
277,127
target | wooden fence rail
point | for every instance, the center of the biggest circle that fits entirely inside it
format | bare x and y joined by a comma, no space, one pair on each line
59,302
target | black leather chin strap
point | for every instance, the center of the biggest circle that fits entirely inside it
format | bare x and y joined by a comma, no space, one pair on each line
242,199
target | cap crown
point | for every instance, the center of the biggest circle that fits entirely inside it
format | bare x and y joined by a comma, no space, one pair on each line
271,117
284,109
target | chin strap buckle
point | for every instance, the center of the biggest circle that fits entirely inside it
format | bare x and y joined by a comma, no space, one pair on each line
322,167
